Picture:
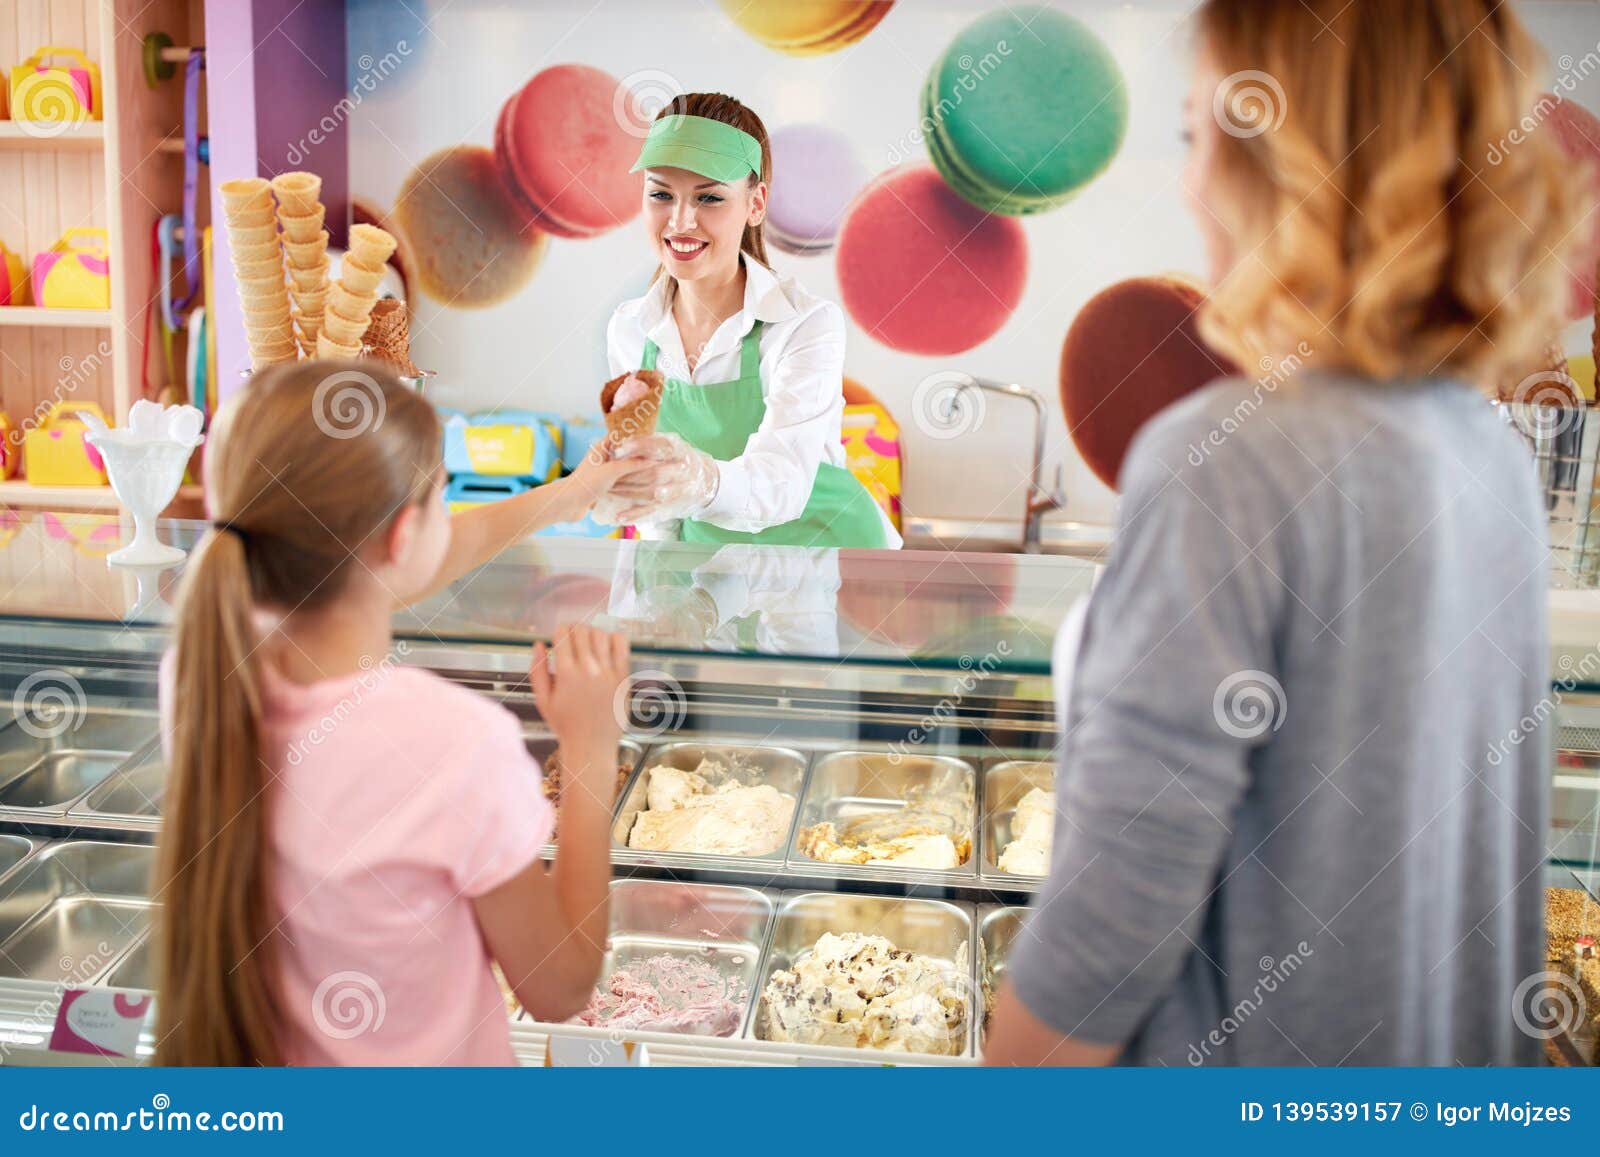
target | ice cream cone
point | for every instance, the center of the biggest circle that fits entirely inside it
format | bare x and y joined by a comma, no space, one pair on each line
260,274
310,302
255,252
355,306
371,246
306,254
342,329
359,278
252,236
636,418
244,194
302,227
327,348
297,192
388,337
309,278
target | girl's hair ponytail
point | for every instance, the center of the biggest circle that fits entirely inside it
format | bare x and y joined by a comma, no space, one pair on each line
216,958
296,491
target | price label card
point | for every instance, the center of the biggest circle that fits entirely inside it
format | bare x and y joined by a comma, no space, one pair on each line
100,1021
593,1053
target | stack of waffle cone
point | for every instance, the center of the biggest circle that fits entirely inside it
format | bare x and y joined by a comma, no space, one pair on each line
258,264
637,418
388,336
305,246
348,309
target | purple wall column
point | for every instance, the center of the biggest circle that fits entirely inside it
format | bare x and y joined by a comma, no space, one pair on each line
275,74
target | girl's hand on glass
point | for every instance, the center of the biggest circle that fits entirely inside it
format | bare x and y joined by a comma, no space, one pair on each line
575,684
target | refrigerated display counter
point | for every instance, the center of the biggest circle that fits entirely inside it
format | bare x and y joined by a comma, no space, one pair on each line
886,715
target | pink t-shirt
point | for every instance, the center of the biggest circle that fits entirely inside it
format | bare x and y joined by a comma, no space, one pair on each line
399,798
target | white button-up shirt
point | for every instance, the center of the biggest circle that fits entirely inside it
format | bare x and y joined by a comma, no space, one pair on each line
802,381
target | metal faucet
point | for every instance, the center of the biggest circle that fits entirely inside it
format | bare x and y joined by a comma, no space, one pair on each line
1040,501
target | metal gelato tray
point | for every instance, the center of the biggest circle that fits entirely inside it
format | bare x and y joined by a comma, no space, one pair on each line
722,926
1004,785
69,912
858,786
13,850
135,969
936,928
542,746
780,767
132,792
43,770
997,928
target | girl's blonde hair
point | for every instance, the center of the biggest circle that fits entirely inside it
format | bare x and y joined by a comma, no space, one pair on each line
1354,178
312,462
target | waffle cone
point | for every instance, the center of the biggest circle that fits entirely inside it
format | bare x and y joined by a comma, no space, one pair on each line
328,348
297,192
302,227
389,335
371,246
252,236
359,278
310,278
245,194
309,253
637,418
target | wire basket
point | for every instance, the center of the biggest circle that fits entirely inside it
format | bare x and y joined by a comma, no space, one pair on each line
1565,441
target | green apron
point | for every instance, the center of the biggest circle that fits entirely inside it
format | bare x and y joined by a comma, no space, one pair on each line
719,418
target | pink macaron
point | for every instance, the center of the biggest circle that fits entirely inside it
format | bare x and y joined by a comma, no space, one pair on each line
923,271
1577,131
564,153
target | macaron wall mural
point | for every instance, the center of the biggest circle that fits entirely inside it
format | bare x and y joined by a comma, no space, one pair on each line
961,176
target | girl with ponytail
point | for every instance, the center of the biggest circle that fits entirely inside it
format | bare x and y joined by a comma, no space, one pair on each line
349,842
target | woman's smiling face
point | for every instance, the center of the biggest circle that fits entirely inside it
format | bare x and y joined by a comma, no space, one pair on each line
696,223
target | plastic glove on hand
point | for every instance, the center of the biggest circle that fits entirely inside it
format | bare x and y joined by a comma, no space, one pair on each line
682,481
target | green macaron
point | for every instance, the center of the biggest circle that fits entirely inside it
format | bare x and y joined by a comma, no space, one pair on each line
1024,108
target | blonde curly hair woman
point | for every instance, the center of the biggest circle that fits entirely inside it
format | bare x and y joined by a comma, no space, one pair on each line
1301,814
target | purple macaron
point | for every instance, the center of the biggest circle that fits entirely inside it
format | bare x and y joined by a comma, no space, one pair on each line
815,174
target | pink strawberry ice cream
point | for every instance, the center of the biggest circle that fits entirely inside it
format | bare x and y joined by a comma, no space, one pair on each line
665,993
633,389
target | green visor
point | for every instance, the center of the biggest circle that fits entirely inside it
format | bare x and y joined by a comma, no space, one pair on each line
701,145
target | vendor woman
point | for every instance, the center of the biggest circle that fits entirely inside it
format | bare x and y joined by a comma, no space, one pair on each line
747,446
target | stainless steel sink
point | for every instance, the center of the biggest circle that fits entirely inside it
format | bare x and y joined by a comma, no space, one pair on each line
1086,540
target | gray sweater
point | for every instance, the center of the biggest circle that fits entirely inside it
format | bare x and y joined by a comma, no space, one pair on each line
1302,792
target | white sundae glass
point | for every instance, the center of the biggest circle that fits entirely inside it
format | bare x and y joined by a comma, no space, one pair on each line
145,461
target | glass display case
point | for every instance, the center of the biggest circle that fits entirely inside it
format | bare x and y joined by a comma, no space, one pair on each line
893,711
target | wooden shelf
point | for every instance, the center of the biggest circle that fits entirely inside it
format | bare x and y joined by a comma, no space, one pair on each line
60,318
21,493
36,137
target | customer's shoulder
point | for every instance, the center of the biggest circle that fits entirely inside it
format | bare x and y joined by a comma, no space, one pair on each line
427,701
